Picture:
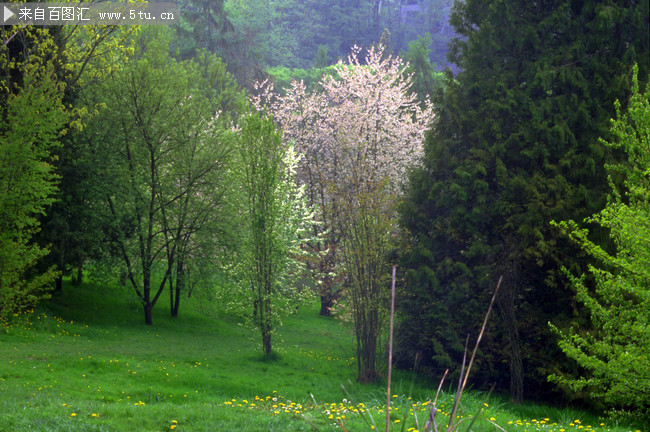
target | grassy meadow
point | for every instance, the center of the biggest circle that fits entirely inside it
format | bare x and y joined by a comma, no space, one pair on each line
85,361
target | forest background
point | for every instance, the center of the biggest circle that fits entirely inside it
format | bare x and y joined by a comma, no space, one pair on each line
114,162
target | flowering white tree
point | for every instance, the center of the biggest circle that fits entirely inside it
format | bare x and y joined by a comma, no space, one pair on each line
359,134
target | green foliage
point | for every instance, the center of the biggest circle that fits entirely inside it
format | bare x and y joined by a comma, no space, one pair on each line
425,78
290,33
276,223
514,145
163,157
32,120
83,56
282,77
615,352
203,26
321,59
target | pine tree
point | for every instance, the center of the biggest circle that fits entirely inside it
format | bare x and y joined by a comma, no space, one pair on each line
514,145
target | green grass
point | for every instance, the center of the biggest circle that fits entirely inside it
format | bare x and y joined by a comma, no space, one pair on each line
86,362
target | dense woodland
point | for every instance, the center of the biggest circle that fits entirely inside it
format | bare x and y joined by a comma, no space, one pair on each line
261,154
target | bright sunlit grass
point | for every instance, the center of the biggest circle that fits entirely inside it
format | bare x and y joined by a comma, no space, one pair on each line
87,363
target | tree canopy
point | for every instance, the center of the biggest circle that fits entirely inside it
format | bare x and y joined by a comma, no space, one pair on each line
514,145
159,135
360,132
615,350
32,120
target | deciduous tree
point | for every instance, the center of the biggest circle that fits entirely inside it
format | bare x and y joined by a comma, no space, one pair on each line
359,135
615,352
275,224
83,57
162,156
32,119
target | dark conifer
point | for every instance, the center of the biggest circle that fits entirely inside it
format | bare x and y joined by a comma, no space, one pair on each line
514,145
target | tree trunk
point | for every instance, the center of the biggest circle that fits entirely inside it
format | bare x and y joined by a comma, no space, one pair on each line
326,302
326,266
58,284
516,369
177,301
171,296
266,324
266,341
180,285
148,309
146,301
506,303
375,17
190,285
367,347
366,361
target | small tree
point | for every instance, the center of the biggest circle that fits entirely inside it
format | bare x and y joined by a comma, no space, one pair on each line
162,158
424,76
615,351
359,134
276,222
32,118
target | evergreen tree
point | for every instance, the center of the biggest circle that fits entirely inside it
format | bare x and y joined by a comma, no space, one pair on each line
424,76
203,25
514,145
